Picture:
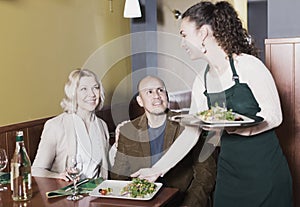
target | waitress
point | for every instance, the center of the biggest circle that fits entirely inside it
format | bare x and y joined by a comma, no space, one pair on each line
252,170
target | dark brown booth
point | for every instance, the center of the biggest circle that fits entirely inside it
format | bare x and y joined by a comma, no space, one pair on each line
33,129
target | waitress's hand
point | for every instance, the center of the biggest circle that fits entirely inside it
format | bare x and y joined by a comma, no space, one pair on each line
150,174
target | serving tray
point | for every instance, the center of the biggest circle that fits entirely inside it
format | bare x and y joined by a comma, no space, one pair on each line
193,120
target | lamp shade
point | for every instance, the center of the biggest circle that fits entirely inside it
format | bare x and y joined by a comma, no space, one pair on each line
132,9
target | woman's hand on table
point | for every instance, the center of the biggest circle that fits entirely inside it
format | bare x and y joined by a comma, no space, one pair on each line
64,176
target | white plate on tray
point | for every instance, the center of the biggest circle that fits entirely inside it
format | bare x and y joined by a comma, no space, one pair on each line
117,186
241,119
193,120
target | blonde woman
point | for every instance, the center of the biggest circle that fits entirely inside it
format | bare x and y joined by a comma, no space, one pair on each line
76,131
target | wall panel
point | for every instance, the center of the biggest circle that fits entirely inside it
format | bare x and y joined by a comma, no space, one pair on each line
283,60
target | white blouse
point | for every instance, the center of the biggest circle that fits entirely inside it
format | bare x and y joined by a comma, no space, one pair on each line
91,147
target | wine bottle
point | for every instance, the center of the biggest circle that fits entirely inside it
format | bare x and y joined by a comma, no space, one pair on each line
20,171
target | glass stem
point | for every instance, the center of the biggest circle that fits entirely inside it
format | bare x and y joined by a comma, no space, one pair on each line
75,187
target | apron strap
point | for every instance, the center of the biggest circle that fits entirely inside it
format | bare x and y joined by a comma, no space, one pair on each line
235,76
205,82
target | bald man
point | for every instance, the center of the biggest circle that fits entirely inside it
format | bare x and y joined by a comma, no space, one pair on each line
144,140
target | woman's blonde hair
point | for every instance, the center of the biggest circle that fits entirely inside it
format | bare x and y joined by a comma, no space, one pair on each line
69,103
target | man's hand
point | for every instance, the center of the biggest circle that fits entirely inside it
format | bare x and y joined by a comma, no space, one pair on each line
117,134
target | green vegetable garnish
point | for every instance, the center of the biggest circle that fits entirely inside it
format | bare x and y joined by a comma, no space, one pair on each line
139,188
217,113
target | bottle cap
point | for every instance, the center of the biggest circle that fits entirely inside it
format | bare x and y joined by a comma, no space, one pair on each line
19,136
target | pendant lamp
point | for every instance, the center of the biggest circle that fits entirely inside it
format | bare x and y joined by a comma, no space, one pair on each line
132,9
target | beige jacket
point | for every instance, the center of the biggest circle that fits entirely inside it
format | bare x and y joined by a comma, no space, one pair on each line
58,141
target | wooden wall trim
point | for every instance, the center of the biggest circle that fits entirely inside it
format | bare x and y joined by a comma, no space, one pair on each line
22,125
32,133
283,40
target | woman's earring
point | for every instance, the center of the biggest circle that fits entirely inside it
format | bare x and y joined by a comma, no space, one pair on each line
203,49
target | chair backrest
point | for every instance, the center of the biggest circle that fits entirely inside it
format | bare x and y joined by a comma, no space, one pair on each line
134,108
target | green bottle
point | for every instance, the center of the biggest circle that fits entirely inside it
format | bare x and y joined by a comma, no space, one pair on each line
20,171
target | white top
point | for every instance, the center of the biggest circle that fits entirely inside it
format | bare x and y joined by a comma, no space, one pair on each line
88,147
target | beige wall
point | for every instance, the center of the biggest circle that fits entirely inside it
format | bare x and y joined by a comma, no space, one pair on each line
178,70
41,41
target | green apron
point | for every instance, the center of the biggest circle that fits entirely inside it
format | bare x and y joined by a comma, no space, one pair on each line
252,170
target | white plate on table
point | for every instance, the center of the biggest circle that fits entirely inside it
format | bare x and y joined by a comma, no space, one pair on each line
117,186
193,120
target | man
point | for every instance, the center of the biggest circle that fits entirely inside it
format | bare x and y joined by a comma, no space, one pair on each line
144,140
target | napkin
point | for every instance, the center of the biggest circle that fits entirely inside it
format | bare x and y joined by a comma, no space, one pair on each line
4,178
82,189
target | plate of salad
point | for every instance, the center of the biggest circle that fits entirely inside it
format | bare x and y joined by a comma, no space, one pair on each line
137,189
216,117
220,115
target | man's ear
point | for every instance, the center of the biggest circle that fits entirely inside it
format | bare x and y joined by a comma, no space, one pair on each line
139,100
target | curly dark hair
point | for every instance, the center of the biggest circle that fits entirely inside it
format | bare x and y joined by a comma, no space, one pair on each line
226,25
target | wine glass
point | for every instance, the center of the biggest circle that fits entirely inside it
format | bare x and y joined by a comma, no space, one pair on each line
3,164
74,166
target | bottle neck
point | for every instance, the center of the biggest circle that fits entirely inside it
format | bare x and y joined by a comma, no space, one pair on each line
19,139
20,154
19,144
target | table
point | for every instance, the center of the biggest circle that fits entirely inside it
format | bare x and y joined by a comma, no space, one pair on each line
42,185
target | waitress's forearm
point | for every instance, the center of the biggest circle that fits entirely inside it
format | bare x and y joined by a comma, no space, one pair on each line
182,145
